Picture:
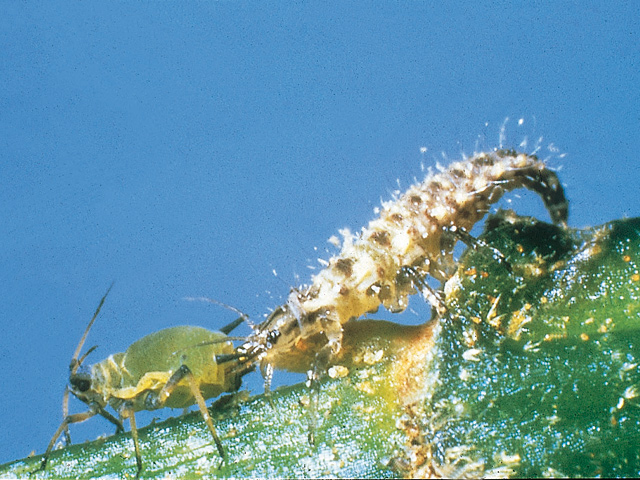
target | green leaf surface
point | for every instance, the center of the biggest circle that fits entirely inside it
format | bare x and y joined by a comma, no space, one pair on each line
538,368
533,372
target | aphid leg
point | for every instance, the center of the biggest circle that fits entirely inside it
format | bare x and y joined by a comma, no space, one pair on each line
102,412
157,401
126,411
475,243
64,427
78,417
65,414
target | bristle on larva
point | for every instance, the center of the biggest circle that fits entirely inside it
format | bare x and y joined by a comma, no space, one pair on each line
411,239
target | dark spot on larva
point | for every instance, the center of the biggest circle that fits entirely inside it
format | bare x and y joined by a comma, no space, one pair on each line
429,217
509,152
404,277
396,218
311,318
458,173
413,232
385,293
415,199
344,291
345,266
312,293
381,272
287,329
381,238
433,187
466,214
484,160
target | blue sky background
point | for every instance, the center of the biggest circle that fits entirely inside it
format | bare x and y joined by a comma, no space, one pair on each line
190,149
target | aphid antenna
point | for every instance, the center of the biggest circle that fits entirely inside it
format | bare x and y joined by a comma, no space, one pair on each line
75,363
211,342
86,354
228,328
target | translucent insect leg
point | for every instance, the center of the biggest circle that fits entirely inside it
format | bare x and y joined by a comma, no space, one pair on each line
333,331
65,414
475,243
324,358
312,383
195,390
78,417
126,411
103,413
434,297
74,418
154,402
266,370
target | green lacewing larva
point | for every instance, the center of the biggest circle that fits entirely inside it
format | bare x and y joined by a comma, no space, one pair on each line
412,239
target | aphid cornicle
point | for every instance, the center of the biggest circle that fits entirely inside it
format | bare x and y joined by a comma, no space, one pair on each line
175,367
389,260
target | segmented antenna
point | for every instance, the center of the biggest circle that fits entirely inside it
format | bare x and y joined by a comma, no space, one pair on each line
230,327
75,363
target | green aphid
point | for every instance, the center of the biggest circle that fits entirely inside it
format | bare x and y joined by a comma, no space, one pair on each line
175,367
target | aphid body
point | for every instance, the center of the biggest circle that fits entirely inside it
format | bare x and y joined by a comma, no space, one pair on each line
412,238
175,367
138,375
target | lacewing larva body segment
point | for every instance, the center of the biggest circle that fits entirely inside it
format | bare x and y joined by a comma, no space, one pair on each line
410,240
175,367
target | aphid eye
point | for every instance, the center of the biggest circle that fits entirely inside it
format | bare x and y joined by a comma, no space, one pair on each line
81,381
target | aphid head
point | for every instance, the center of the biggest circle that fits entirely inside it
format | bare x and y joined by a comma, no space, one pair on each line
80,380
